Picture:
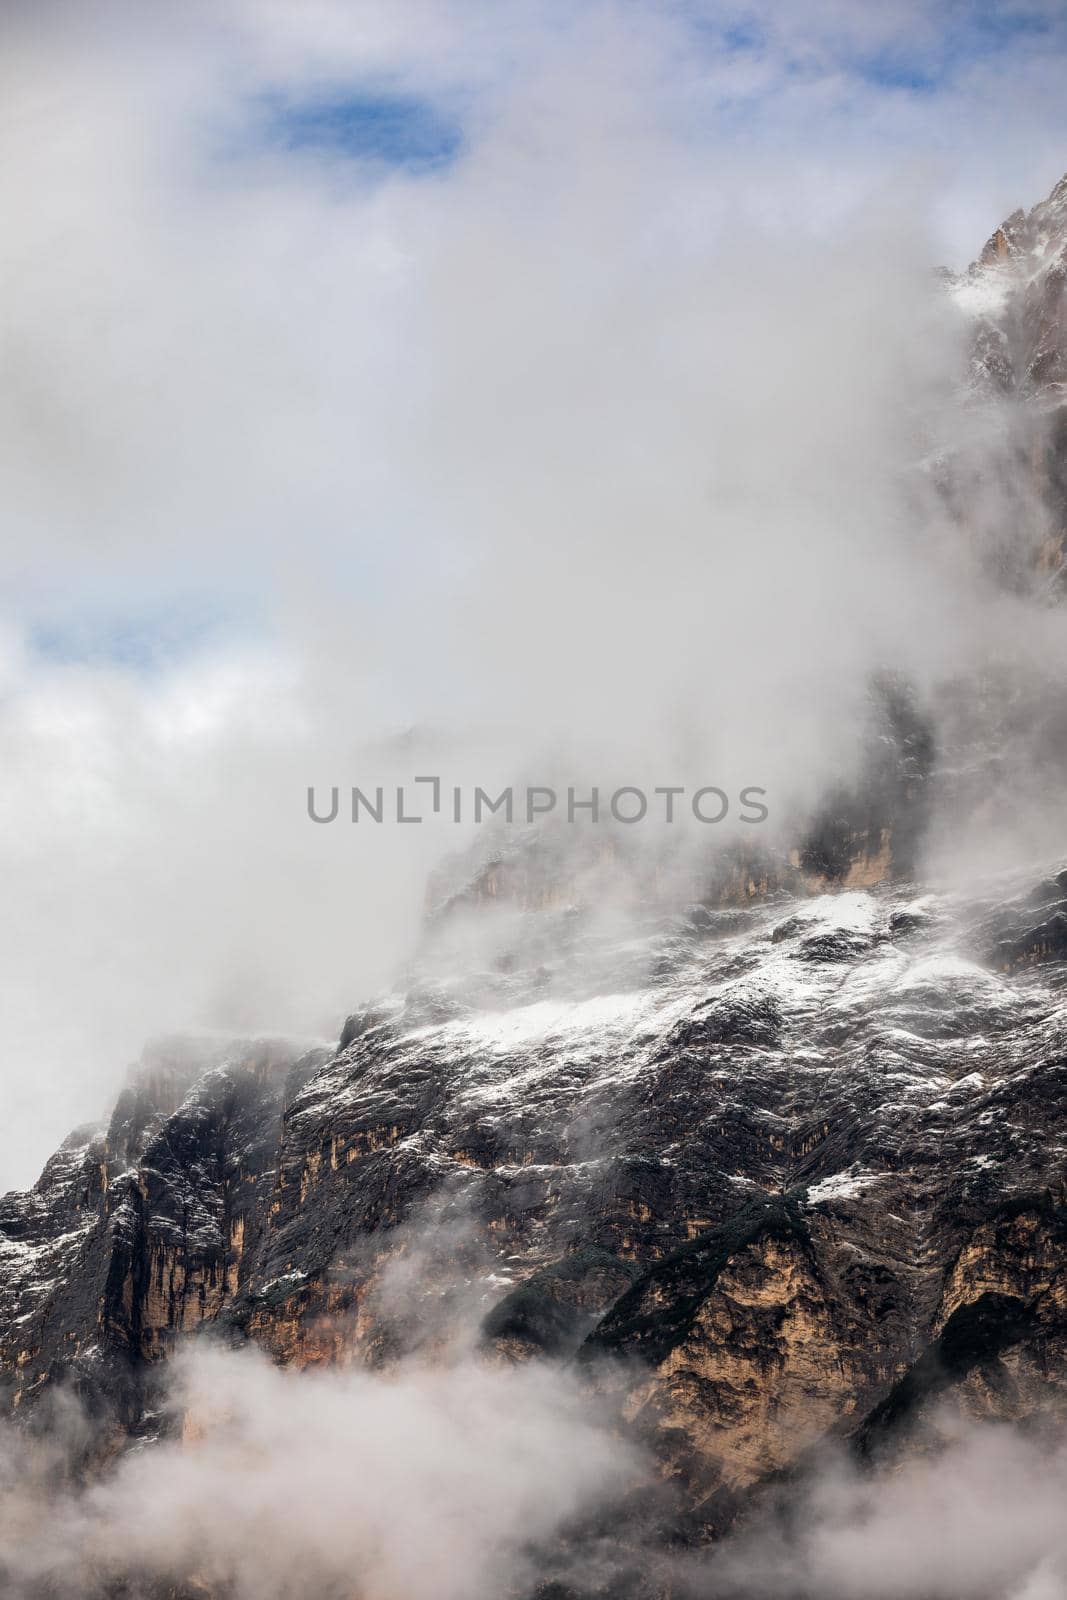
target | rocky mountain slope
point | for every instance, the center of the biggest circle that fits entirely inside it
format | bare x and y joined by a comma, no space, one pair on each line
1013,299
780,1158
789,1141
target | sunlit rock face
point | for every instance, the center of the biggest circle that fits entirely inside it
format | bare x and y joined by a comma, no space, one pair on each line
766,1172
1017,284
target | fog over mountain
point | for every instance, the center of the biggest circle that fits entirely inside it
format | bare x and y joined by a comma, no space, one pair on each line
579,424
614,399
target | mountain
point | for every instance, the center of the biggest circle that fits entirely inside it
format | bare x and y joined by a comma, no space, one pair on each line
775,1157
1016,289
1013,300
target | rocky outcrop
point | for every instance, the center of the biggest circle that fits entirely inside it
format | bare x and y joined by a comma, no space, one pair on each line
1015,299
766,1173
1024,267
136,1233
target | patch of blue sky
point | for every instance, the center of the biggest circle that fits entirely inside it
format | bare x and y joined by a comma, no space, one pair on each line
892,72
143,641
379,127
953,35
964,35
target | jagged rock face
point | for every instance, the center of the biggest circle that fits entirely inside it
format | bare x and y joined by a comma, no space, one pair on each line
135,1234
1016,296
1019,281
796,1164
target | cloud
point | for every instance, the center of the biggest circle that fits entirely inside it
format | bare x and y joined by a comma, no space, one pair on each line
976,1516
591,434
455,1481
466,1479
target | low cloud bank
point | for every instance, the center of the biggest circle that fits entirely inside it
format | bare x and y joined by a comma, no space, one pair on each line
469,1481
979,1516
428,1484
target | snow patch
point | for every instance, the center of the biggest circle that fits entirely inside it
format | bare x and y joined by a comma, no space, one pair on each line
507,1030
840,1186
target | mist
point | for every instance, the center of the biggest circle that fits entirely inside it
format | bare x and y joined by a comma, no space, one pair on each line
412,1485
587,451
477,1479
977,1516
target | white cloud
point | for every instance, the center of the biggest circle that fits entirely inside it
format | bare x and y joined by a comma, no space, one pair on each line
427,1484
591,435
976,1514
458,1478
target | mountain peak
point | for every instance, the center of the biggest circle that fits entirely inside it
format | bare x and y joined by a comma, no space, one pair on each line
1038,235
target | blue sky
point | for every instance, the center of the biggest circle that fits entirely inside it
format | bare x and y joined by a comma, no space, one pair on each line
390,129
150,638
930,48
